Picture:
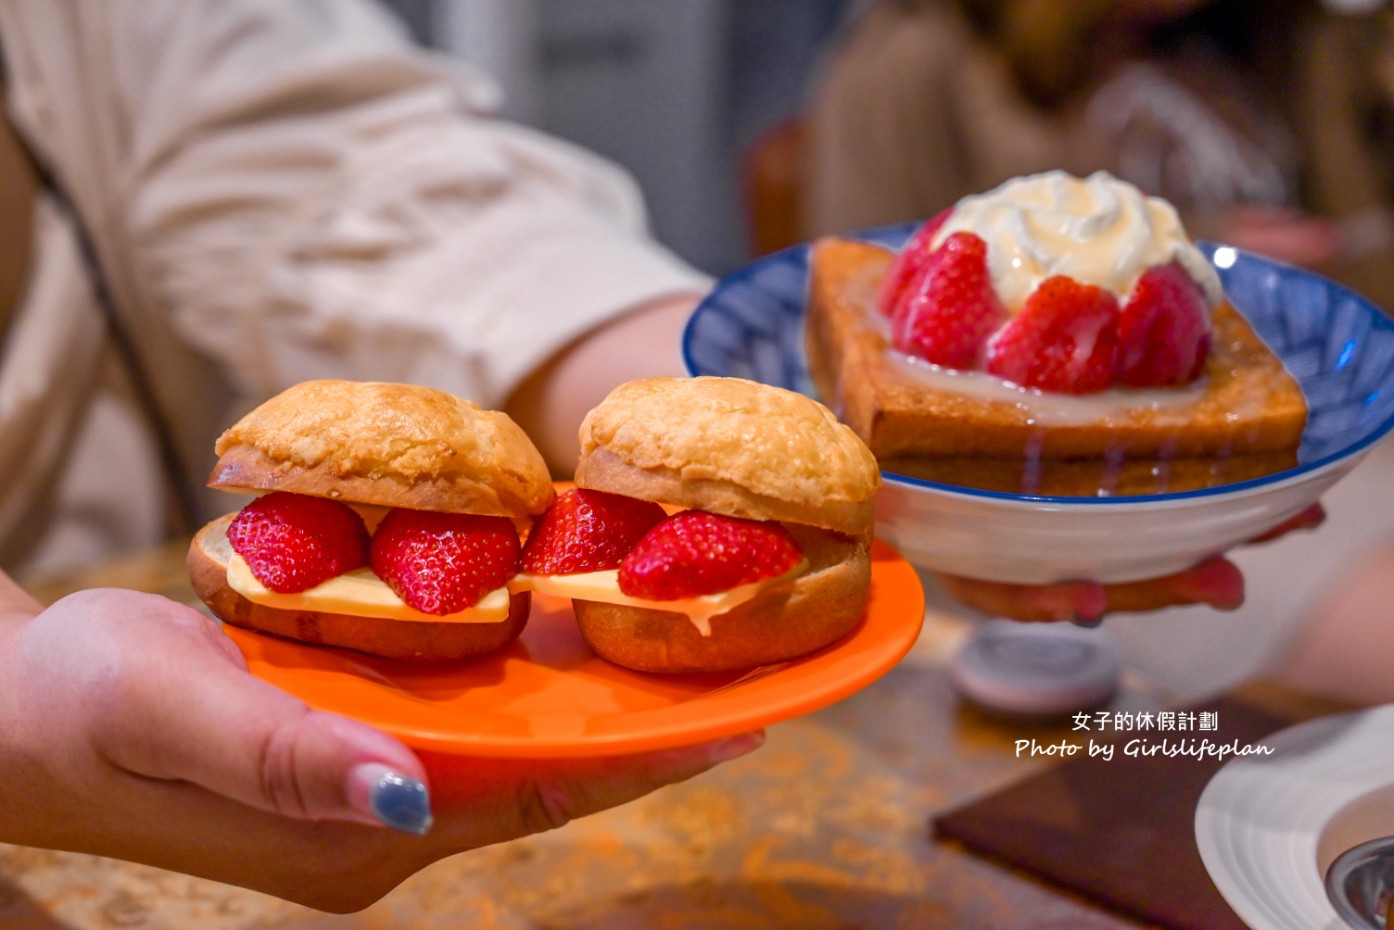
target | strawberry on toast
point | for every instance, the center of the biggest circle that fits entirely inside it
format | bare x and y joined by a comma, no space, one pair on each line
1055,336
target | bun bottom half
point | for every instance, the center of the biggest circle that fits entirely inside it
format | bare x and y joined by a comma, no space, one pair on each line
784,622
421,641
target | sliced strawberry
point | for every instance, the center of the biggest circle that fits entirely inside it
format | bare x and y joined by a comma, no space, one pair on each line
908,264
587,531
1163,330
694,552
292,542
1064,339
441,563
949,312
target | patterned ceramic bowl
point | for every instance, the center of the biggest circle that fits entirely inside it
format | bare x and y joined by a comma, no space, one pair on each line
1338,345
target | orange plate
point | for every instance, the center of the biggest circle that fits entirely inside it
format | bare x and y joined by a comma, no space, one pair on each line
548,695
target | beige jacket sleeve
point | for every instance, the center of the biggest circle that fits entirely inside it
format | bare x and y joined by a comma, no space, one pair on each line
301,193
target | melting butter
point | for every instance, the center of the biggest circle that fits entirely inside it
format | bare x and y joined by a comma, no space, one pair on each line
359,593
604,586
1050,408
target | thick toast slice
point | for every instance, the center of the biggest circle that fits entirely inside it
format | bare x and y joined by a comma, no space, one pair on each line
1243,419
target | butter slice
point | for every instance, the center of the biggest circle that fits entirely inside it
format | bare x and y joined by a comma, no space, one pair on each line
604,586
359,593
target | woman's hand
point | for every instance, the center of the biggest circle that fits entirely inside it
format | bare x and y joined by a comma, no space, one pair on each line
132,729
1216,582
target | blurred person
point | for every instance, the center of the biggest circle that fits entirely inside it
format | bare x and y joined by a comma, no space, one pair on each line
927,101
1344,100
204,202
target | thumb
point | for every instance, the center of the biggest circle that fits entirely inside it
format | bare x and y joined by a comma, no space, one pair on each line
199,716
509,798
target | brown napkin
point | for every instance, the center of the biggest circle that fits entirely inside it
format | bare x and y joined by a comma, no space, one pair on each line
1121,831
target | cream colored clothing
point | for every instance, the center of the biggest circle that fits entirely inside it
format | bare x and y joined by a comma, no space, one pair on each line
278,190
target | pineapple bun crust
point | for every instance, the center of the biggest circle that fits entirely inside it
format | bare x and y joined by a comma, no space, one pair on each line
397,445
731,446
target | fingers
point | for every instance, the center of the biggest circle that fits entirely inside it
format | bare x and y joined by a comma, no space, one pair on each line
173,704
553,799
1074,600
1308,519
521,797
178,826
194,714
344,867
201,718
1216,582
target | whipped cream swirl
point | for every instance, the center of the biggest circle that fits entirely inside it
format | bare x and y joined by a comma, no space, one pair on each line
1098,230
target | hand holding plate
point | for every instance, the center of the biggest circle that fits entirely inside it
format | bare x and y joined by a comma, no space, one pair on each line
1216,582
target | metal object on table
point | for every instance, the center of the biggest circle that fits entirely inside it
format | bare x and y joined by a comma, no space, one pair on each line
1360,884
1037,669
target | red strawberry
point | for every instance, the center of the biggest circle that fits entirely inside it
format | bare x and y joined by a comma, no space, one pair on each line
694,552
587,531
292,542
948,312
1064,340
908,264
1163,330
441,563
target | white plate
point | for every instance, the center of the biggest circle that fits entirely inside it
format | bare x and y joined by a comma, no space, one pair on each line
1269,826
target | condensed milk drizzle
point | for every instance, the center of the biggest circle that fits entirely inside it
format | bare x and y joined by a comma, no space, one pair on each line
1047,408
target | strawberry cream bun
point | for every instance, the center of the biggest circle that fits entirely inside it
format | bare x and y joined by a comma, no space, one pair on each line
716,524
1056,335
387,520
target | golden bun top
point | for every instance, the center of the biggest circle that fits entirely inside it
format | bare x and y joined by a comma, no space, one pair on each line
395,445
730,446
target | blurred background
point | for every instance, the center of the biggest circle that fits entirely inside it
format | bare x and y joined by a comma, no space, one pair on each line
675,91
1269,123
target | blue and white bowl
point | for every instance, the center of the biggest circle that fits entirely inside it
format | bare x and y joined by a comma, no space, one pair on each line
1338,345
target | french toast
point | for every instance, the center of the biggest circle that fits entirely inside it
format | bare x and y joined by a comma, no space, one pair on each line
1241,419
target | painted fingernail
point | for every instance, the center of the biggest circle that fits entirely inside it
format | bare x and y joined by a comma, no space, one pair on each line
395,800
